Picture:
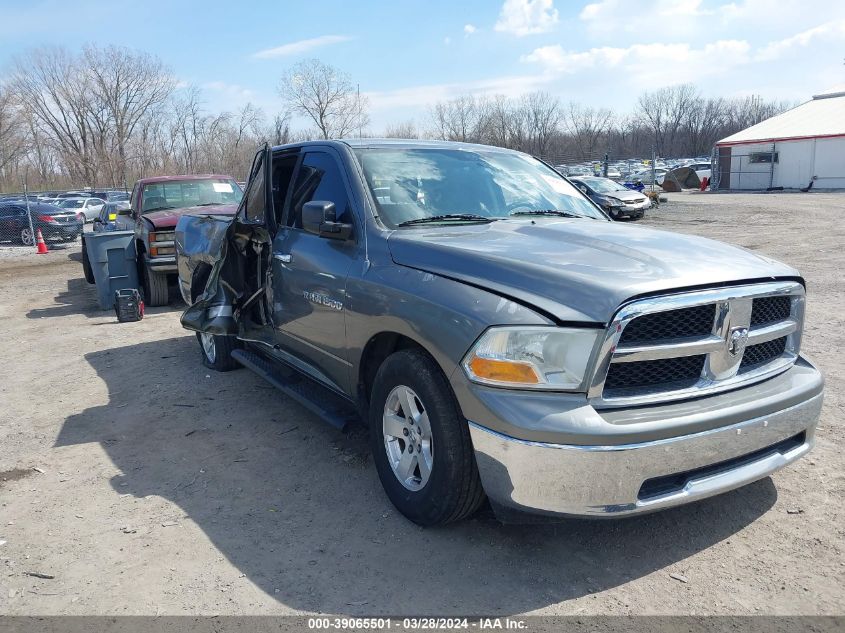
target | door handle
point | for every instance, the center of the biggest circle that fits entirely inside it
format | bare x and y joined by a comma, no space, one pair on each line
283,257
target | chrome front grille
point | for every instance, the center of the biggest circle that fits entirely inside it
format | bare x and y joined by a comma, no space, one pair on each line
770,309
686,345
680,323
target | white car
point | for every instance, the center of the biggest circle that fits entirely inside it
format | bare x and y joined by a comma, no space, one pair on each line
702,170
86,208
645,176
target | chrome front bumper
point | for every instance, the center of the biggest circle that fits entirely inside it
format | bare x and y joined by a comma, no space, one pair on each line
163,263
574,480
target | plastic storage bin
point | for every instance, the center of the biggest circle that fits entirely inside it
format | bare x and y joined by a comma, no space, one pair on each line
113,262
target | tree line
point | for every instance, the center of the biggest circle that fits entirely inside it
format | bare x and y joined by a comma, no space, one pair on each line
677,121
105,116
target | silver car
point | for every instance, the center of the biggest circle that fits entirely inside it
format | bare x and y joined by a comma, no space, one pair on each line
86,208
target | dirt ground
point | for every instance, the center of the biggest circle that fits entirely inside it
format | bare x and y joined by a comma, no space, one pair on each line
137,482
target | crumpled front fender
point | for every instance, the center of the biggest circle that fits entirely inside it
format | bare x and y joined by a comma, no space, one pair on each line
202,247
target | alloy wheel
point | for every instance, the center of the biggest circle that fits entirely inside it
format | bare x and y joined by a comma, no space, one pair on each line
407,438
208,346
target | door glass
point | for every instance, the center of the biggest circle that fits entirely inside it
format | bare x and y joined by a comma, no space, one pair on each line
319,178
283,167
254,205
133,200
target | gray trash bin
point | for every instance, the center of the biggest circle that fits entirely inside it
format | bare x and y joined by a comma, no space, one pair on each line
112,257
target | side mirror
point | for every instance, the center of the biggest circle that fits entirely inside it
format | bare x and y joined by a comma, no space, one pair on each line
319,217
583,189
127,211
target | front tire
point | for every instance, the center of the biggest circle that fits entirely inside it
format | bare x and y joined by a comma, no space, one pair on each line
155,285
421,443
217,351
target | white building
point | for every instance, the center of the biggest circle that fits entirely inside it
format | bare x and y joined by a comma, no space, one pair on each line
802,145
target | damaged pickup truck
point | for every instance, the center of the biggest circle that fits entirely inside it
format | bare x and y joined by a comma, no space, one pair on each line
156,205
500,337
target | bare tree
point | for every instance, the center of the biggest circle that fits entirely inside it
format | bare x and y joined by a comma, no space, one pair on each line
664,111
281,133
129,86
459,119
543,114
107,116
405,129
12,140
586,126
325,95
56,94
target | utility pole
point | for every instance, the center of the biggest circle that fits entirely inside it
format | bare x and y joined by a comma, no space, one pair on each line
358,105
26,200
653,161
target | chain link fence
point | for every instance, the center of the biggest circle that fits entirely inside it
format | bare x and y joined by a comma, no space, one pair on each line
60,217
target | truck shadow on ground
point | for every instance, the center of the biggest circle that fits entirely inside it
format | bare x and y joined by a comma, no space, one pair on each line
81,298
296,505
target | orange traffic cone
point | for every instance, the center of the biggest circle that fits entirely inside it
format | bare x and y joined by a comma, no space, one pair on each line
42,245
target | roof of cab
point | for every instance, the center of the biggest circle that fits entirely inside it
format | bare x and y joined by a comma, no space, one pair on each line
154,179
383,143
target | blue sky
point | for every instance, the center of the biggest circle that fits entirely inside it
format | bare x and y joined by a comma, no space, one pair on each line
408,54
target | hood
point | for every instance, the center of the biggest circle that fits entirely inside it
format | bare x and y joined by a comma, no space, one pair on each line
577,270
628,194
167,218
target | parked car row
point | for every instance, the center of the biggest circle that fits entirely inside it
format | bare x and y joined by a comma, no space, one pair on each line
636,170
54,222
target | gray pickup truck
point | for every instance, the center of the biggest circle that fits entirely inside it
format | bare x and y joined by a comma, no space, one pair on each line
498,334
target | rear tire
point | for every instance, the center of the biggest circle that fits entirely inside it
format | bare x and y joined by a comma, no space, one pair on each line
156,292
86,264
217,351
439,483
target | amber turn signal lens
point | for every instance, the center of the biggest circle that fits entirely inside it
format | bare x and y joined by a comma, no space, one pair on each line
504,371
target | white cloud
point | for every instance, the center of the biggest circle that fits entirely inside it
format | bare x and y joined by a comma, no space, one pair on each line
469,29
447,40
416,96
830,31
611,16
654,63
525,17
233,92
301,46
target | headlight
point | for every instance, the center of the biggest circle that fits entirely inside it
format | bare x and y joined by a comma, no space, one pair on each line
532,357
612,202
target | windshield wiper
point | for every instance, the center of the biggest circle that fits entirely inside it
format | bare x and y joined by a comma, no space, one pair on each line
209,204
159,209
447,217
562,214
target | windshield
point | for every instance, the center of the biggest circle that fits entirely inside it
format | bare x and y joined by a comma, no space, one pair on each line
409,184
604,185
178,194
69,203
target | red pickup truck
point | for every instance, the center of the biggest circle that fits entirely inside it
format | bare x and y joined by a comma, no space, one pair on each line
156,205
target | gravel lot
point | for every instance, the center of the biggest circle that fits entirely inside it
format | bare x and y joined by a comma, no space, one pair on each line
141,483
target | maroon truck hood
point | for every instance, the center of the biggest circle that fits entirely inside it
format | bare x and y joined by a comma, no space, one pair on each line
167,218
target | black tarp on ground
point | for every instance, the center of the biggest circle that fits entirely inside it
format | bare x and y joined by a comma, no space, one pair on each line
681,178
